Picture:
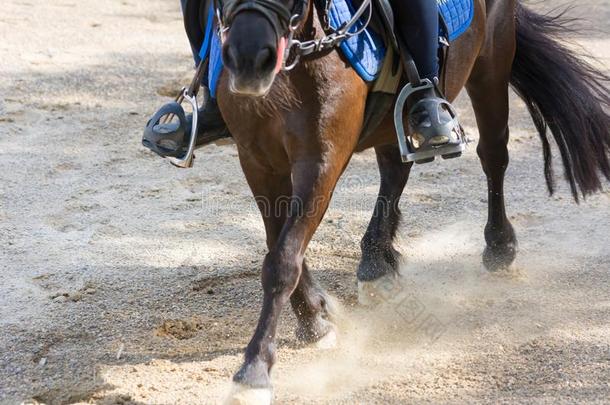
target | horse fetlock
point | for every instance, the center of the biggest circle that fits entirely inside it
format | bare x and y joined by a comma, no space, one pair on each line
255,373
497,236
378,264
504,236
378,277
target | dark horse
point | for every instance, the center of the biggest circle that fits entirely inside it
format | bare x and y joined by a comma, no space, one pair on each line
296,132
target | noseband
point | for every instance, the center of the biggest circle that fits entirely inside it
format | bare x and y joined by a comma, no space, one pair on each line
281,18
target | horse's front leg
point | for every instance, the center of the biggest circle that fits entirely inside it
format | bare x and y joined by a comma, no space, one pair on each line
313,180
380,261
311,305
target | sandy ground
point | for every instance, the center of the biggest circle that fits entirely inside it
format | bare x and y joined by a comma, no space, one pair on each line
124,280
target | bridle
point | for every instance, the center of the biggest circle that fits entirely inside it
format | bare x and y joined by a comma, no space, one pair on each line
287,22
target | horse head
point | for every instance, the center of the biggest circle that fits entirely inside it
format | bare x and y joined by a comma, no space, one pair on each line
254,35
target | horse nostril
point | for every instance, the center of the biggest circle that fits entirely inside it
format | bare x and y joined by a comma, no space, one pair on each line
229,57
265,60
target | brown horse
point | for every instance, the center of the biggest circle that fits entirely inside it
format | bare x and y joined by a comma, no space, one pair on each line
296,132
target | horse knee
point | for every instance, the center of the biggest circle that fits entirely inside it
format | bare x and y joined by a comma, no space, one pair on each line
280,274
500,234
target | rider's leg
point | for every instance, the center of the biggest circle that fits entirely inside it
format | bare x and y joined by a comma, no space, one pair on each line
210,115
419,26
196,57
433,125
211,124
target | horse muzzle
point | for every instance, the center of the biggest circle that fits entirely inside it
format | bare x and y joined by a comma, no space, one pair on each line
249,87
257,84
253,54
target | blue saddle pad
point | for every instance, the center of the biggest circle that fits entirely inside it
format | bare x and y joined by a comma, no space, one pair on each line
365,51
458,15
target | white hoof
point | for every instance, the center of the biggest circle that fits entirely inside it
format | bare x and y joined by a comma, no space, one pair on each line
244,395
379,292
328,341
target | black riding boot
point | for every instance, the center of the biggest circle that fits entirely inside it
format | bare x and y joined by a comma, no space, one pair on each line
172,138
211,124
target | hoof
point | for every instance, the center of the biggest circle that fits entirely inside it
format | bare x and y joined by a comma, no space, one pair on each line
243,395
497,259
328,341
377,292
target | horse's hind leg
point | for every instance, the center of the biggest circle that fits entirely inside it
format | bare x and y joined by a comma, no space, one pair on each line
313,311
488,90
380,260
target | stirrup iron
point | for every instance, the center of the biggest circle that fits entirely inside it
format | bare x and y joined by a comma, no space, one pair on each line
174,143
424,143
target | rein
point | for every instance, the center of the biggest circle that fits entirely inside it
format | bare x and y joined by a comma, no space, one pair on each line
286,24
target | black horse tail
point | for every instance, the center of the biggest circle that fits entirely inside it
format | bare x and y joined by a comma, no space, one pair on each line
566,94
